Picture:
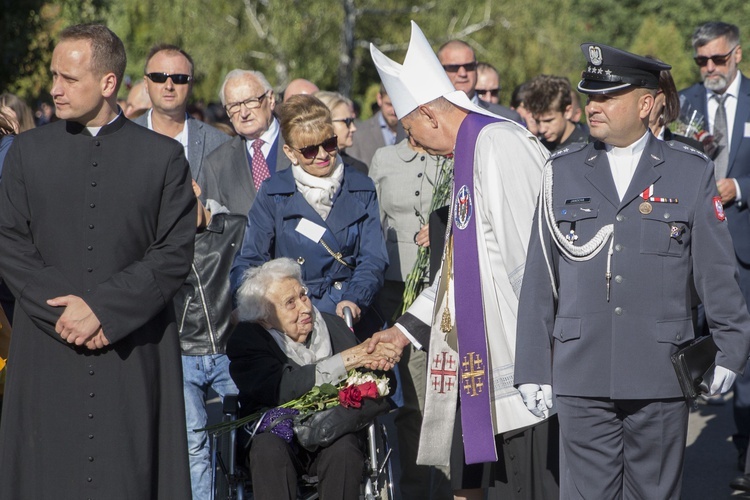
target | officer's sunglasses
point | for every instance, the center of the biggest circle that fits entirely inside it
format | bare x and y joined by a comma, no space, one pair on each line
717,60
310,152
177,79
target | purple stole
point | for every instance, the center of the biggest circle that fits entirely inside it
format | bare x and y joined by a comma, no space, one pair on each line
476,397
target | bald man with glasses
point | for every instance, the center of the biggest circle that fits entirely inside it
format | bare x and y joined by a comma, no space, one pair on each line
723,97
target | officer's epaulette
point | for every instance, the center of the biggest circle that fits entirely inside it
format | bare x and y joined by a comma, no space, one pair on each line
570,148
685,148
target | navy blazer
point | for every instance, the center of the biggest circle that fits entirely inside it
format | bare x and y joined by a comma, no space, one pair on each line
352,228
738,214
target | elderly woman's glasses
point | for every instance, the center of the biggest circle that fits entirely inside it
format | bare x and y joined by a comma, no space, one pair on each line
291,303
348,121
310,152
251,103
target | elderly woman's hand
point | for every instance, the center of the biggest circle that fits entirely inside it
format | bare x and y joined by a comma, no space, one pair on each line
356,311
385,355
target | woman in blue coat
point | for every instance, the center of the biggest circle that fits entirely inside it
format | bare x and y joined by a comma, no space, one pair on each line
319,212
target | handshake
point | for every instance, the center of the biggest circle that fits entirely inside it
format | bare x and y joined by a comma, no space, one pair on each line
537,398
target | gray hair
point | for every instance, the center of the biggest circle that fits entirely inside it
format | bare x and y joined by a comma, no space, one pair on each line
252,303
710,31
238,73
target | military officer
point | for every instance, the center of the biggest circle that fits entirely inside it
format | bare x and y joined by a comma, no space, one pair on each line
605,301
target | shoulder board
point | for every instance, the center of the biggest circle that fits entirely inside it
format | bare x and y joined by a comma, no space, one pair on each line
571,148
681,146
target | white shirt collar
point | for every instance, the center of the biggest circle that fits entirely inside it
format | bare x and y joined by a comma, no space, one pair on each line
268,137
94,131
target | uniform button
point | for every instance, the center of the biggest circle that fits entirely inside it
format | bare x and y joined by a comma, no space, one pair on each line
300,260
89,479
91,226
97,143
416,193
620,218
91,415
91,394
618,311
91,372
92,205
91,436
666,215
93,184
90,270
337,285
678,337
94,164
91,459
618,279
419,174
618,247
89,247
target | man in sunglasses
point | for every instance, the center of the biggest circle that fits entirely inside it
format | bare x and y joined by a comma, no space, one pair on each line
723,98
488,83
460,63
169,83
235,170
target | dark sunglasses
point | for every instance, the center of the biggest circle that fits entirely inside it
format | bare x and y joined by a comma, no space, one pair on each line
717,60
348,121
453,68
310,152
492,92
177,79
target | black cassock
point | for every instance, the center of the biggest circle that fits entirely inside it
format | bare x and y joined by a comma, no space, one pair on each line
111,219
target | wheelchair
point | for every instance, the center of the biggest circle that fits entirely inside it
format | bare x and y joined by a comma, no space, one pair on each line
231,479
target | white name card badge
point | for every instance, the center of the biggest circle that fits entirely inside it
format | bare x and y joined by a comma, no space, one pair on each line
747,130
311,230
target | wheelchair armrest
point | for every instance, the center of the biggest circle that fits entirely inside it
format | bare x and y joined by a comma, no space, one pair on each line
231,404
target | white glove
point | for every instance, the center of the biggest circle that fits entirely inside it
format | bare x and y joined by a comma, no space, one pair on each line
538,399
723,380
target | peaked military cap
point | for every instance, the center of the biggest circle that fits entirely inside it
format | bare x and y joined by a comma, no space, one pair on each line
609,69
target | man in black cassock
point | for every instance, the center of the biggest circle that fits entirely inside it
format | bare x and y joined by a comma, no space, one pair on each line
97,220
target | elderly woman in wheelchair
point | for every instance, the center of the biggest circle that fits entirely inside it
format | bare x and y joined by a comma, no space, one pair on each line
282,348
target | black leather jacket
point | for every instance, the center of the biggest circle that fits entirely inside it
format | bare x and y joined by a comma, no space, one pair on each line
203,305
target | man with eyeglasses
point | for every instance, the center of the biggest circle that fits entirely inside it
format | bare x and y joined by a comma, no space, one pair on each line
235,171
460,63
169,83
723,97
488,83
382,129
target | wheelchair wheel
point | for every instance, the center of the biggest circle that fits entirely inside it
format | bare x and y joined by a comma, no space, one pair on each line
378,483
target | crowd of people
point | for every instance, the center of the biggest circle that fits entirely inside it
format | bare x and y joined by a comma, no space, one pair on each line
525,274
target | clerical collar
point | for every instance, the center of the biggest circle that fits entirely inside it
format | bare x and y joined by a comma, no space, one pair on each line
94,131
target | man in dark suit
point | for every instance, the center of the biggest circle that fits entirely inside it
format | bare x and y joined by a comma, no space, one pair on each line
382,129
718,53
235,170
460,63
629,223
169,83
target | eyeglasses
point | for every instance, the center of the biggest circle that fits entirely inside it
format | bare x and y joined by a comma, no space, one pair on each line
453,68
177,79
348,121
491,92
291,303
310,152
717,60
252,103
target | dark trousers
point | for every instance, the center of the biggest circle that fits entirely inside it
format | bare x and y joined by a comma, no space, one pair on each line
275,468
621,449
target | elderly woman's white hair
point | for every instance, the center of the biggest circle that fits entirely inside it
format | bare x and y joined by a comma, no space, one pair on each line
252,303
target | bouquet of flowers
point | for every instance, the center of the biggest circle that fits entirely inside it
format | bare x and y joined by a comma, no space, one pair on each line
350,393
691,123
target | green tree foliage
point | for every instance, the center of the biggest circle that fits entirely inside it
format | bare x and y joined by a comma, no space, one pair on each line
328,41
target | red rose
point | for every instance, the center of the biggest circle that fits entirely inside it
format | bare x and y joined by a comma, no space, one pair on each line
350,397
369,390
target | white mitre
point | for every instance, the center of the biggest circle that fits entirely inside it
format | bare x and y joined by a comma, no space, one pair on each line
421,79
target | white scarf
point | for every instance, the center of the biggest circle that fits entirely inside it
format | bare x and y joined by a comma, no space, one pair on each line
319,191
319,343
